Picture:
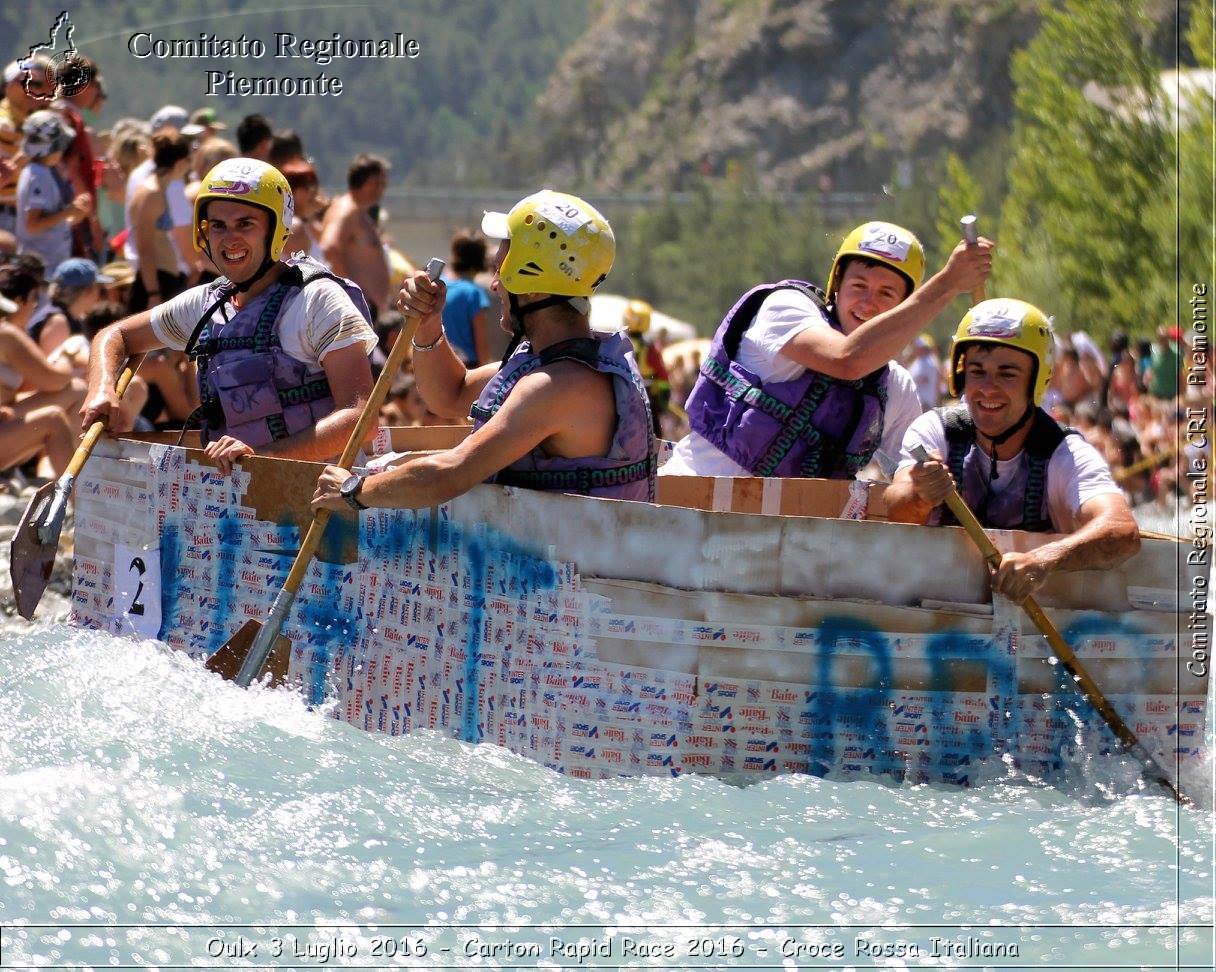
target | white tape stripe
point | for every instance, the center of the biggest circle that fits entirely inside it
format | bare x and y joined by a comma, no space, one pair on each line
770,501
724,490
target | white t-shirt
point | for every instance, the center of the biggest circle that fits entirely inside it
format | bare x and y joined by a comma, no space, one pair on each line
181,213
927,374
783,316
313,321
1076,471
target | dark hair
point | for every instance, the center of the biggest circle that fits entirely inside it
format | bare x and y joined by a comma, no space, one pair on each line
363,168
299,173
286,146
33,263
103,315
169,148
468,252
252,132
867,262
17,282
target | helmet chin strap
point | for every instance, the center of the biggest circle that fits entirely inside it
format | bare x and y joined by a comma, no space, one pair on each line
1003,437
519,311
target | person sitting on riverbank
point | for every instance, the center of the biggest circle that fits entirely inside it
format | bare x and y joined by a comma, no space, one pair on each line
1014,465
76,288
268,332
799,382
36,394
565,411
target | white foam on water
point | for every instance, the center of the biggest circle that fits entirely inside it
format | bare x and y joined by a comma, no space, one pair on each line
135,787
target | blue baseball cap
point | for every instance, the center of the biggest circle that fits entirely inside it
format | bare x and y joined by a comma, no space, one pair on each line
79,272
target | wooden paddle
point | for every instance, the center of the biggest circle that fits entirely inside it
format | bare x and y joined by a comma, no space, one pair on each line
1067,656
34,545
244,656
972,238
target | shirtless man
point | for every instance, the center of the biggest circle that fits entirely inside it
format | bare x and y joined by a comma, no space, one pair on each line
349,236
565,412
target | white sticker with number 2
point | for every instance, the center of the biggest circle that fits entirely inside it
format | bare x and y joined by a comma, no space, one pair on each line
136,591
882,240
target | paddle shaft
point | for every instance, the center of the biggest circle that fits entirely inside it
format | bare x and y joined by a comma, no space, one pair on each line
256,659
972,238
1067,656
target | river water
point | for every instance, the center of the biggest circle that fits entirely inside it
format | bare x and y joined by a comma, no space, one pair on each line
153,815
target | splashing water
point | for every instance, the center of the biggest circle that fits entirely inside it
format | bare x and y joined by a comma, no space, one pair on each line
140,790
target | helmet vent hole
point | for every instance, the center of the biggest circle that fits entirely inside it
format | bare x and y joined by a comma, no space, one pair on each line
541,225
563,246
552,235
528,219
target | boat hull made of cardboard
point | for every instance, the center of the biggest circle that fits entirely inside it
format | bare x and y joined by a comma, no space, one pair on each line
601,637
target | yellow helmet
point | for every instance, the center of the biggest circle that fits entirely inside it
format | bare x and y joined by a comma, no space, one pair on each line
637,317
1013,323
255,184
559,245
885,243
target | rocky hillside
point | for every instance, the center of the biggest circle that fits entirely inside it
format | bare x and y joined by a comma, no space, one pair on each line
655,93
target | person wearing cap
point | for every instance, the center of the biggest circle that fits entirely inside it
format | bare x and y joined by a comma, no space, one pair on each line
47,208
636,319
15,106
565,411
1015,467
281,346
206,120
75,290
799,382
85,93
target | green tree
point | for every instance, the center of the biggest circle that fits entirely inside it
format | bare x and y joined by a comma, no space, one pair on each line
1089,158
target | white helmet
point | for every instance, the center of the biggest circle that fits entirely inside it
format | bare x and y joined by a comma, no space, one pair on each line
45,134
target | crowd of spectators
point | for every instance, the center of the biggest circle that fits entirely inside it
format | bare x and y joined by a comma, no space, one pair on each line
97,225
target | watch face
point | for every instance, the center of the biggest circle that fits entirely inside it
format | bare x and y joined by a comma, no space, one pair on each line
349,491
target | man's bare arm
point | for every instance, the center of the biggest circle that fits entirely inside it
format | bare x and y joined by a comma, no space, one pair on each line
335,227
111,350
537,409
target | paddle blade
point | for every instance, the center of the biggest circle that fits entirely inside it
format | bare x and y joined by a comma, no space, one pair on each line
228,658
30,560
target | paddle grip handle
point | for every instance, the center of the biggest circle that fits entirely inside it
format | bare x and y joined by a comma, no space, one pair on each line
1063,650
85,449
396,355
971,236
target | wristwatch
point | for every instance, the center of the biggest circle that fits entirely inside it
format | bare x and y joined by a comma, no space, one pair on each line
349,491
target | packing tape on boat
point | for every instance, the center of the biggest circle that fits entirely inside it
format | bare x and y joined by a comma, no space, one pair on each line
724,494
770,500
710,634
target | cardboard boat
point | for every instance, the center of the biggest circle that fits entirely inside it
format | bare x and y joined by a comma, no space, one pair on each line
739,626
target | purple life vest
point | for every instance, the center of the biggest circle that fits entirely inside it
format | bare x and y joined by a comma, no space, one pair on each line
250,387
628,471
1023,504
813,425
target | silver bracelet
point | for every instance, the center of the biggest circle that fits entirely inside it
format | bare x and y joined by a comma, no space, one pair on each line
427,347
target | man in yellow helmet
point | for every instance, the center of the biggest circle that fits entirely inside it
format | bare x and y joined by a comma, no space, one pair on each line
1016,468
281,346
799,382
565,410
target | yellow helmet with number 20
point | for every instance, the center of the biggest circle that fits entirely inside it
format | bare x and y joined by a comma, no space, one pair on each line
884,243
254,183
560,245
1014,324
